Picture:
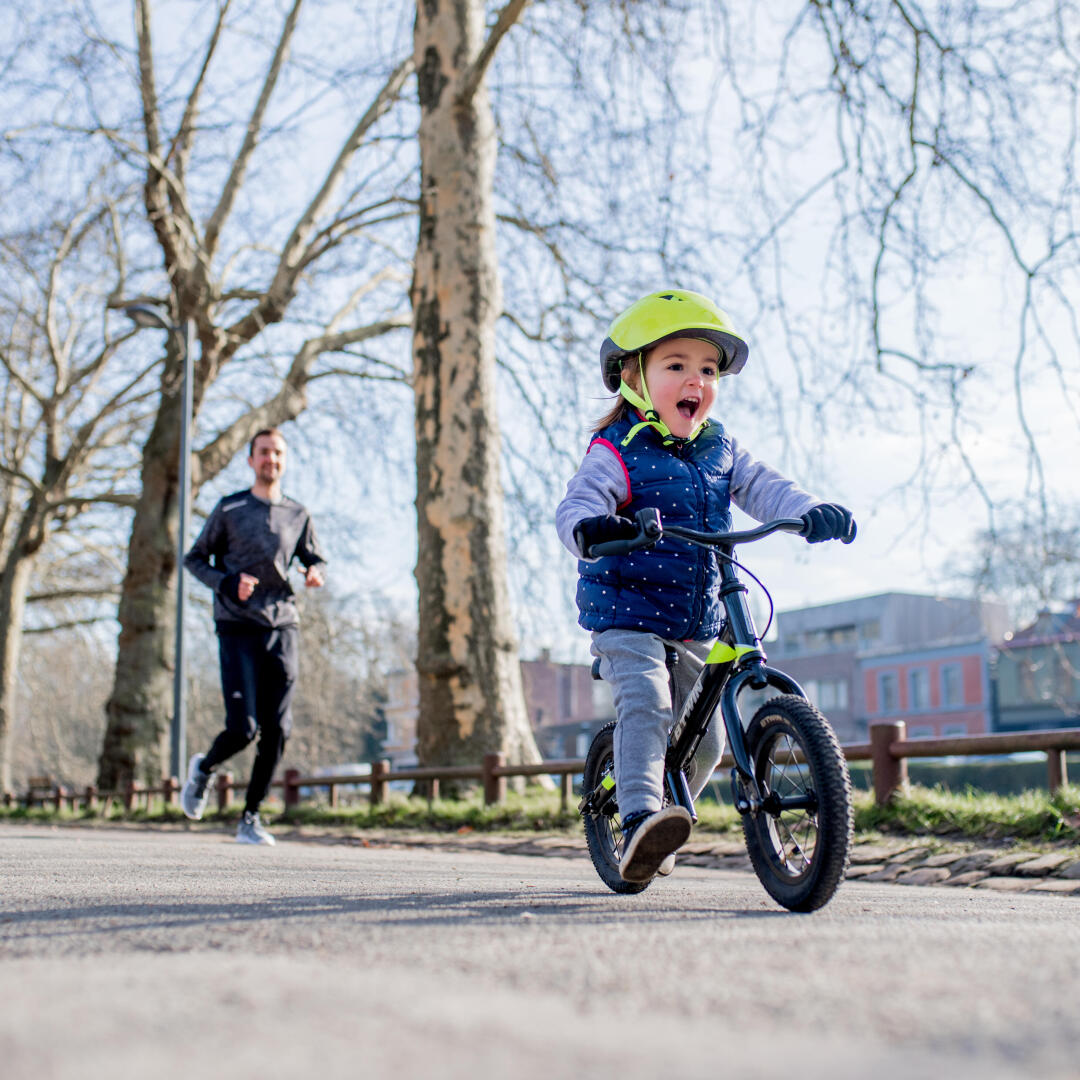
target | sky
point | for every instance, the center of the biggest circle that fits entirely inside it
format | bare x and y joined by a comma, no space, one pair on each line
908,532
916,508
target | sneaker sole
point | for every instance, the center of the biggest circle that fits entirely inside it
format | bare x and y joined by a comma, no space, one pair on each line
654,841
667,866
199,808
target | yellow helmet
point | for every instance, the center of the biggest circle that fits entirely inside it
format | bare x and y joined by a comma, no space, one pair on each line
666,314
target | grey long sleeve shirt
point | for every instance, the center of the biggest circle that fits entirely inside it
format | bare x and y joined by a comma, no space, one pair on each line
599,487
249,535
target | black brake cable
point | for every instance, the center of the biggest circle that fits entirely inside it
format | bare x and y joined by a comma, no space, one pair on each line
768,596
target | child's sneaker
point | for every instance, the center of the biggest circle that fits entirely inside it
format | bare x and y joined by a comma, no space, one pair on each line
252,831
649,841
193,794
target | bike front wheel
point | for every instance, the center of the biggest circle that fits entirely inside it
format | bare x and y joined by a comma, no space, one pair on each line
603,832
799,840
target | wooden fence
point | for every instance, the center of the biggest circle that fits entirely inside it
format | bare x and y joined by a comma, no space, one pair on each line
888,751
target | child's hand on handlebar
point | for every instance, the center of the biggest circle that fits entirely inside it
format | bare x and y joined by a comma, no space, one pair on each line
828,521
601,530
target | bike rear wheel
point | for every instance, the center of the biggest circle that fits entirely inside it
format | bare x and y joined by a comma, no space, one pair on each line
799,841
603,833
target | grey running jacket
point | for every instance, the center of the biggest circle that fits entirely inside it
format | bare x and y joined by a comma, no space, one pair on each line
246,534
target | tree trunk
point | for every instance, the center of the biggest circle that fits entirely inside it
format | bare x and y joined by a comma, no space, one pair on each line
139,709
471,699
13,585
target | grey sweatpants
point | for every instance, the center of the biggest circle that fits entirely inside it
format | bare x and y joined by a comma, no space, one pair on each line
634,664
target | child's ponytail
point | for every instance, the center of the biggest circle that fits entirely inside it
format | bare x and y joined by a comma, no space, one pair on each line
631,374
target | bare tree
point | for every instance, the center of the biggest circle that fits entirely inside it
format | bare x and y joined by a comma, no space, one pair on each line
201,258
882,135
471,699
910,176
69,413
1028,564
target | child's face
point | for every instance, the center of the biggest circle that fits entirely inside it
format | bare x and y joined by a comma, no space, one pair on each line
681,376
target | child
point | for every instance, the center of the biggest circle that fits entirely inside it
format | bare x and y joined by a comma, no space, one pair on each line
657,448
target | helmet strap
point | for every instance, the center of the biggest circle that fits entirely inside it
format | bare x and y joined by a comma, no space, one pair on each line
643,403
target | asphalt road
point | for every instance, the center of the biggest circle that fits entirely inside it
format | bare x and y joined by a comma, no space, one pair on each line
139,953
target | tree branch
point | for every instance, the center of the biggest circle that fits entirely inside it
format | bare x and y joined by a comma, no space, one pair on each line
181,146
288,402
292,258
251,135
72,594
476,71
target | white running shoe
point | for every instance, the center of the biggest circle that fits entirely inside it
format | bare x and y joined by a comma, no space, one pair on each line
252,831
194,794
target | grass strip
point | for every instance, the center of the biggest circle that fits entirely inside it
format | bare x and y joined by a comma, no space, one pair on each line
1034,816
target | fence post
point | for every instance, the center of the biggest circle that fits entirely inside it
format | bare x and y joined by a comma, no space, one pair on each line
223,783
170,790
332,796
129,795
292,788
890,773
91,797
566,789
9,799
59,795
379,769
1057,770
494,786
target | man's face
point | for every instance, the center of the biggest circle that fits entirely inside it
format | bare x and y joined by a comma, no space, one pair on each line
268,458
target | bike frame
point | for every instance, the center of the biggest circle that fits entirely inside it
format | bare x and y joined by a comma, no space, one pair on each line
735,662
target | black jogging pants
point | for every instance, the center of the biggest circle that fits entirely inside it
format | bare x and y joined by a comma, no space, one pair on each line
259,666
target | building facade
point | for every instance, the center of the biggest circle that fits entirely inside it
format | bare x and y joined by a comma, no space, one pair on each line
945,666
894,656
1037,673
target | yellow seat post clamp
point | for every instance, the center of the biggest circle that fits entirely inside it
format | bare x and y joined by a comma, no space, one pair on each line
723,653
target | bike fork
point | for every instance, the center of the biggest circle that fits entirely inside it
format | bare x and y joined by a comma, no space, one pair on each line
679,791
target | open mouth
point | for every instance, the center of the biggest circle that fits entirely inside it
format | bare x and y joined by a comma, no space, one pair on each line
688,408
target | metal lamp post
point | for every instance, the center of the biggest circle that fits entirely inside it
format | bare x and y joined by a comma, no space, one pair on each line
144,315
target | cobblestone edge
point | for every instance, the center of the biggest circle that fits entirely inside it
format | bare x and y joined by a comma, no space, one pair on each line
899,861
910,861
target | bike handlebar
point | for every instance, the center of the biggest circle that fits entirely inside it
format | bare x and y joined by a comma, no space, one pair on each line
651,529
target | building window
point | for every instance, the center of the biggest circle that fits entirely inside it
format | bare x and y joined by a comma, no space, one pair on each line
566,692
918,689
888,699
827,694
954,729
922,731
871,631
952,685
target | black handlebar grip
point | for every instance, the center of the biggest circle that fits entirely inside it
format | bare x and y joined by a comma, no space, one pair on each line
610,547
649,531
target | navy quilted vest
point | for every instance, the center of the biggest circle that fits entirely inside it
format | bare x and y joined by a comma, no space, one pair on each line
670,589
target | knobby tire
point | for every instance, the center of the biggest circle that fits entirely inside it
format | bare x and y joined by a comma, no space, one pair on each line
602,833
800,856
